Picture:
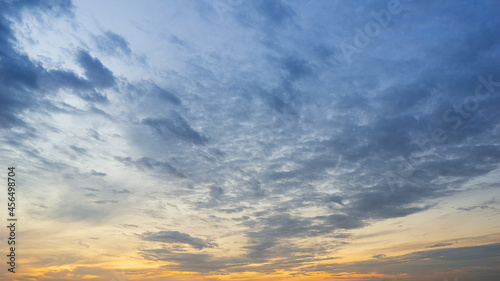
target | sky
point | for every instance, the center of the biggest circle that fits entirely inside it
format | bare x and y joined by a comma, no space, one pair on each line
251,140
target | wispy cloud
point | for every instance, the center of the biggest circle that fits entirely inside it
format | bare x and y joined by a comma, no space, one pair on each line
177,237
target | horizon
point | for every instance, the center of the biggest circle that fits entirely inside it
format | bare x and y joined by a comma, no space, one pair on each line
250,140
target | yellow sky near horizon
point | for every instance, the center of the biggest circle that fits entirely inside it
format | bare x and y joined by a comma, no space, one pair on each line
58,248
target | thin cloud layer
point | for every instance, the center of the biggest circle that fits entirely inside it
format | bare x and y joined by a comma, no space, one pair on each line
177,237
251,126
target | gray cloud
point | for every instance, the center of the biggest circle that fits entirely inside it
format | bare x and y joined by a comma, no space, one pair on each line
270,123
379,256
79,150
175,126
113,44
440,245
105,201
427,262
472,208
177,237
99,174
95,71
18,75
190,261
148,164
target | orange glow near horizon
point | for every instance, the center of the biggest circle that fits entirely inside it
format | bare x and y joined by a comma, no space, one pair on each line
258,140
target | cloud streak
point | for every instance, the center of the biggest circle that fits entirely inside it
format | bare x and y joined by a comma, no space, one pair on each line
171,237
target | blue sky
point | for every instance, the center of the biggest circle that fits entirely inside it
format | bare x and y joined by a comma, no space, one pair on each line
210,140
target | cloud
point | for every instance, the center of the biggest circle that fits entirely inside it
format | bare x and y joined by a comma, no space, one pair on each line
175,126
467,209
467,259
165,95
176,40
271,233
216,192
99,174
113,44
96,72
172,237
146,163
189,261
274,12
379,256
296,68
123,191
344,221
79,150
54,8
18,76
105,201
261,124
78,212
439,245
